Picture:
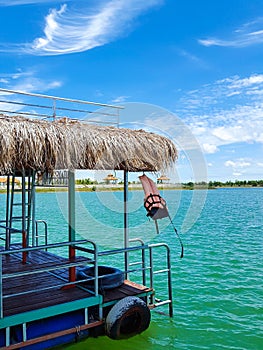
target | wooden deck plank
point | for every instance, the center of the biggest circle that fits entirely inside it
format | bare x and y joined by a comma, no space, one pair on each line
36,301
128,288
39,299
26,283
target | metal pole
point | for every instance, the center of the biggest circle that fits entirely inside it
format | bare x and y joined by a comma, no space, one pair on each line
126,230
7,237
71,204
170,290
54,109
152,297
1,289
23,201
33,203
24,230
71,221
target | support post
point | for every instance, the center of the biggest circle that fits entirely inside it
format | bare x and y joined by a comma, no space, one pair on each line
24,245
126,229
24,229
7,238
71,221
1,289
33,208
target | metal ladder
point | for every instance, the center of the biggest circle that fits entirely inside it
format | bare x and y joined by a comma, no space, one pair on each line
154,301
19,203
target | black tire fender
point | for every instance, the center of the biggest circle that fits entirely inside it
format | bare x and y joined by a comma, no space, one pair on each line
128,317
111,277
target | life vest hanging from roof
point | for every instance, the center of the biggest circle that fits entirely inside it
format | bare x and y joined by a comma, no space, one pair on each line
154,204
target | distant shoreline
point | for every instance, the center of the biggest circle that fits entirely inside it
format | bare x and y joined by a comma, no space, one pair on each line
132,187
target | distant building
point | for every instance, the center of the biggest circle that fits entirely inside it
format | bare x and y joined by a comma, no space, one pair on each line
3,181
163,179
111,179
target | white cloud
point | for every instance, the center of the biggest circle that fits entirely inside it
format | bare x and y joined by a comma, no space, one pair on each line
28,81
237,164
208,148
225,112
75,30
249,34
229,163
33,84
120,99
237,83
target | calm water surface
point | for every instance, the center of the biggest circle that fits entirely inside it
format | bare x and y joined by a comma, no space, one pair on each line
217,286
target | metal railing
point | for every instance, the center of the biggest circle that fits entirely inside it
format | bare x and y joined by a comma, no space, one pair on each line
132,268
53,267
98,113
145,267
35,239
167,271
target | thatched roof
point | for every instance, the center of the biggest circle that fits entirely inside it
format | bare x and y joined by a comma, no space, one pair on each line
63,144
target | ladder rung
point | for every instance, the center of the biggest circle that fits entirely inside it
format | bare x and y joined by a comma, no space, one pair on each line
19,217
161,271
136,263
17,204
20,190
160,303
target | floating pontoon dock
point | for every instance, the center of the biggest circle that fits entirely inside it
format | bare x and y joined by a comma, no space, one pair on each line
43,302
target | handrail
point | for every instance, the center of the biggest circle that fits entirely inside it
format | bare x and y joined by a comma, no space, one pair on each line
37,234
153,272
11,228
169,275
58,266
78,245
44,246
122,250
142,263
49,110
60,98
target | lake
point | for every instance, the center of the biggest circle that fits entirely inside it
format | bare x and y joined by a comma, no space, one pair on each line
217,286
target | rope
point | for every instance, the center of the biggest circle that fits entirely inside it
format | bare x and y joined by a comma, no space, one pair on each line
178,236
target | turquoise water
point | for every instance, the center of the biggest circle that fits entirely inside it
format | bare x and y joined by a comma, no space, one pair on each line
217,286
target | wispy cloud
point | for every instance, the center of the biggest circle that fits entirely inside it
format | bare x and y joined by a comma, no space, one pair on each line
25,81
225,112
249,34
82,27
234,90
189,56
240,166
25,2
28,81
241,163
120,99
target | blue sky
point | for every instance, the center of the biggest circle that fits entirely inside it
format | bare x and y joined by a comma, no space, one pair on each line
191,70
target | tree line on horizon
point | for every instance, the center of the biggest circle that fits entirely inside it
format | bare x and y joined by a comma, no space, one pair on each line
190,184
215,184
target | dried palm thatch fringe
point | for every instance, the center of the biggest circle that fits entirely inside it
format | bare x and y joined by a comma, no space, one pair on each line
45,146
